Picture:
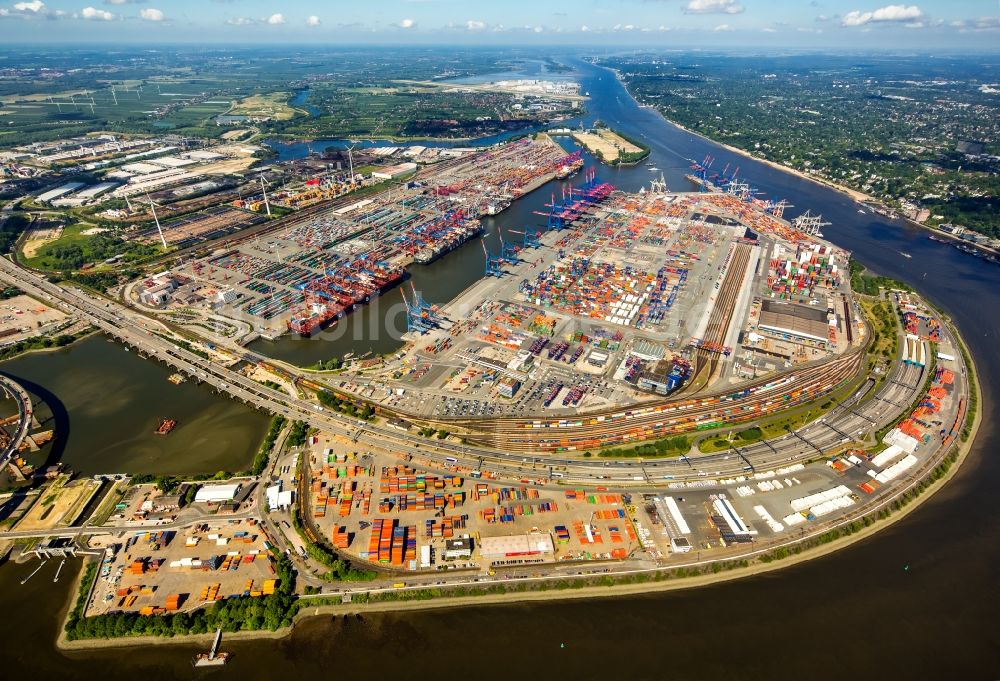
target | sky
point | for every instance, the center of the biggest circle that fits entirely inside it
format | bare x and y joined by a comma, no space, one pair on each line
846,24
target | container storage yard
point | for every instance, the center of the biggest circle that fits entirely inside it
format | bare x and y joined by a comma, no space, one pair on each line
153,572
376,509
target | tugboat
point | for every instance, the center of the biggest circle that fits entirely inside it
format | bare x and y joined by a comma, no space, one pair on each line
166,425
213,658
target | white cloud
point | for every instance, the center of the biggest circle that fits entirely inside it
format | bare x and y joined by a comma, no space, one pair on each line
723,27
31,9
769,30
407,23
123,2
474,25
538,29
91,14
151,14
888,13
313,21
980,24
276,19
241,21
713,7
584,28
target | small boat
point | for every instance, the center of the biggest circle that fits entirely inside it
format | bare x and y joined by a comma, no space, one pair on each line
166,425
653,169
213,658
176,379
905,255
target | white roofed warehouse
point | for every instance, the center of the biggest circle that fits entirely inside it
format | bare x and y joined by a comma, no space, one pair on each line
217,494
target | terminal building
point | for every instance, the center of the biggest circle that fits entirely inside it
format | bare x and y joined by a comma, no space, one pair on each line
799,323
459,548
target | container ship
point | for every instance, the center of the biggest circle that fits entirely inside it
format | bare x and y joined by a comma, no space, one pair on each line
572,164
455,238
496,206
331,296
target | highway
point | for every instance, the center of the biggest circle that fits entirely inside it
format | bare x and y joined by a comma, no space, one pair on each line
130,327
14,390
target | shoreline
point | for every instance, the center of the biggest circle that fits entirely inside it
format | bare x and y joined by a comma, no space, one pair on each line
858,196
31,351
591,591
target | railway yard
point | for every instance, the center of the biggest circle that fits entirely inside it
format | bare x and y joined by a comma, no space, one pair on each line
411,517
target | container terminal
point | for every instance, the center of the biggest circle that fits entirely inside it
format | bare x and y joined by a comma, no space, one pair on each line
306,275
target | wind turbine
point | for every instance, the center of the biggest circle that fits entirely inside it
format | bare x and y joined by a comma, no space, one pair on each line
263,190
152,207
350,160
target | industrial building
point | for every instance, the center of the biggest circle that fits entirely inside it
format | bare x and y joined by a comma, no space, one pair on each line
393,172
795,321
458,549
62,190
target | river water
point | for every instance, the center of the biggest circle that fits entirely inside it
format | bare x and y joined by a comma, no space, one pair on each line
105,402
918,601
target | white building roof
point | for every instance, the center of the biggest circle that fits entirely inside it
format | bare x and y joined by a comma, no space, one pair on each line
515,545
217,493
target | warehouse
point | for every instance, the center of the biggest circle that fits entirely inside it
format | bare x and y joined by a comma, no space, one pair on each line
214,494
797,321
54,194
515,546
392,172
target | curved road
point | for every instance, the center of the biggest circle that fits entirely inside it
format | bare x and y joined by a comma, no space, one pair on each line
14,390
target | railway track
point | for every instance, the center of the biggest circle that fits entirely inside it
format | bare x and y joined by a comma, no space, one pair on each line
707,356
669,417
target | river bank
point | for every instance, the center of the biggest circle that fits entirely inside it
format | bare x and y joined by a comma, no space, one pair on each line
40,350
854,194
